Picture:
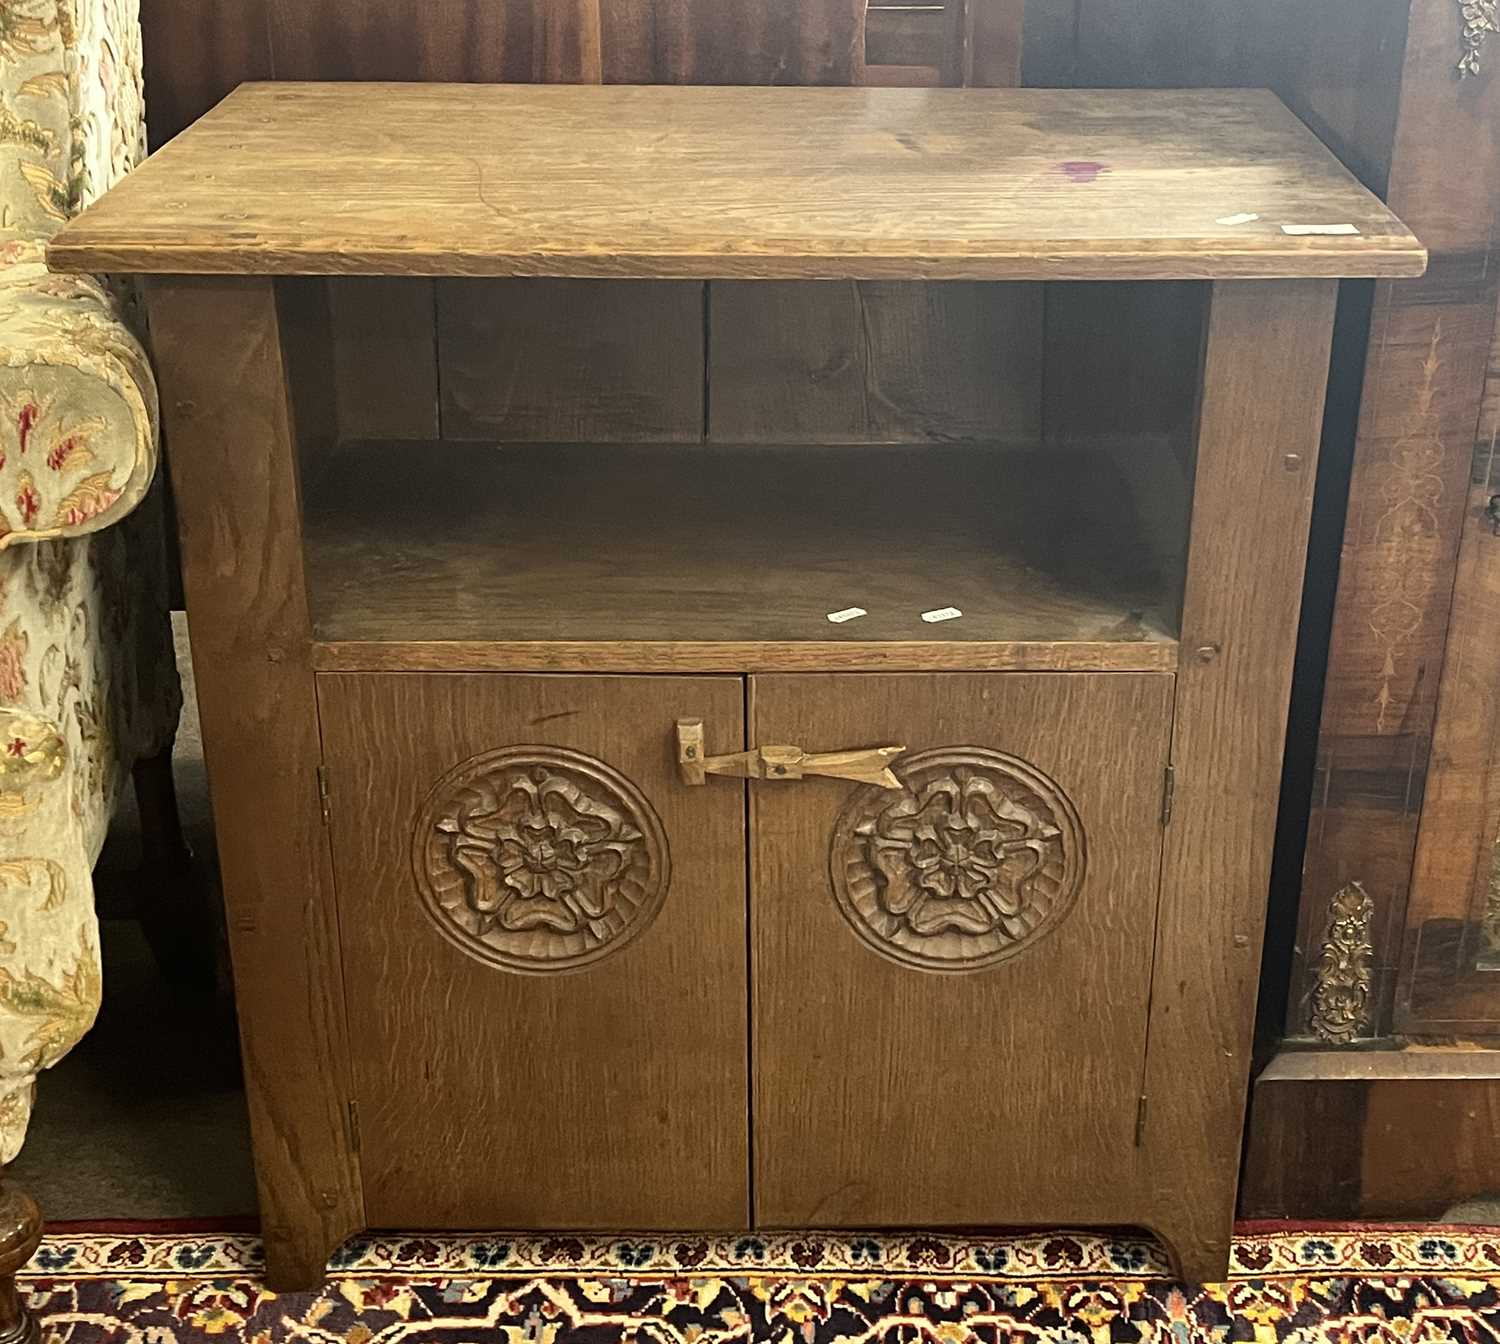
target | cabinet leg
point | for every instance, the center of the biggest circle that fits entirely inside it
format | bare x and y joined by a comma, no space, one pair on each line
1197,1257
296,1259
226,347
20,1233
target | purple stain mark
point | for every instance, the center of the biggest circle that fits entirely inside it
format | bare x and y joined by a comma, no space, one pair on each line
1082,170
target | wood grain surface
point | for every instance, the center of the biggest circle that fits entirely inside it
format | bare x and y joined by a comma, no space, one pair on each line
232,436
1336,63
195,52
198,50
873,361
1450,976
1264,375
739,183
385,356
802,655
887,1095
681,549
575,361
571,41
610,1096
1373,1134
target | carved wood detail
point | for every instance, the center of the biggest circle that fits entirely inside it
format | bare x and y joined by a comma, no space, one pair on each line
1489,920
1345,969
1481,18
978,856
539,859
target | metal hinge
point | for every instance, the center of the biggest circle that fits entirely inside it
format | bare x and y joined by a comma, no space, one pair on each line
323,792
353,1117
1140,1120
1168,793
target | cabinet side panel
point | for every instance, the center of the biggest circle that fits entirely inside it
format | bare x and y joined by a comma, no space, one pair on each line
1265,371
232,447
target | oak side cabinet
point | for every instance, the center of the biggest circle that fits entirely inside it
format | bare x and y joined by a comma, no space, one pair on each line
589,862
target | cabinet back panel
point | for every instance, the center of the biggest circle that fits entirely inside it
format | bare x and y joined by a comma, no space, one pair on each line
571,361
610,361
873,362
887,1093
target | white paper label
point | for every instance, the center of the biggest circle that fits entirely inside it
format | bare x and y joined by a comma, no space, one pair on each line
941,614
1298,230
1246,218
848,614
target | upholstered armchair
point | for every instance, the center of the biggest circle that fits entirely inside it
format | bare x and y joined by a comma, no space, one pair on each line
88,687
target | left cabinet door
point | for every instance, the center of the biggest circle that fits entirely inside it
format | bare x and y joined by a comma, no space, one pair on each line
543,936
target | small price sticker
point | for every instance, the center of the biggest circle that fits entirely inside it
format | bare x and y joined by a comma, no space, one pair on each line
941,614
1304,230
847,614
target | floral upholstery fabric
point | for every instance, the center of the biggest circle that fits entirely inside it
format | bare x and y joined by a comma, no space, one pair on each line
77,408
87,683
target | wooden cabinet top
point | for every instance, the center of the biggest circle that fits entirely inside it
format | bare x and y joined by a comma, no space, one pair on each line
814,183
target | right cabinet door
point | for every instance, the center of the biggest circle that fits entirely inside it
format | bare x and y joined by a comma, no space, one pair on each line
950,981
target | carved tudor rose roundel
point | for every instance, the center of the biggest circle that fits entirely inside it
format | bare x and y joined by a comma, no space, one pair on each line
977,857
539,858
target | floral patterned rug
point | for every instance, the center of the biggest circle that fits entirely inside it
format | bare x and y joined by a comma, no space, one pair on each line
1396,1285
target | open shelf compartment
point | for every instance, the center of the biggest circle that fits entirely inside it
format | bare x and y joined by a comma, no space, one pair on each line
726,558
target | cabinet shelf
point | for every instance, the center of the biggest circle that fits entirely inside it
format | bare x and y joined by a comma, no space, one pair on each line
647,558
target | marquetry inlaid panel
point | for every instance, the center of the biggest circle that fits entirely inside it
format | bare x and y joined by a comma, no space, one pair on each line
978,856
539,858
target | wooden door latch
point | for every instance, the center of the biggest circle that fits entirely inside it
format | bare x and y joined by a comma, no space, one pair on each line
866,765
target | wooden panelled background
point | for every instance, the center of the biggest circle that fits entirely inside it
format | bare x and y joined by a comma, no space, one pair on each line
1407,500
1449,979
197,50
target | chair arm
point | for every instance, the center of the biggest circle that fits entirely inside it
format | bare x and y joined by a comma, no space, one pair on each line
78,408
